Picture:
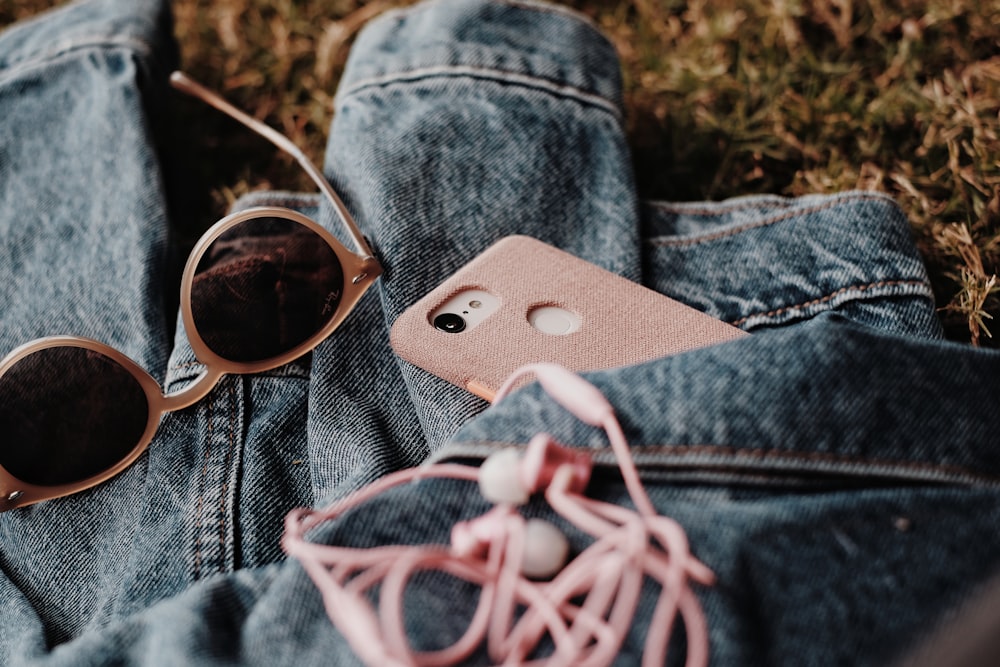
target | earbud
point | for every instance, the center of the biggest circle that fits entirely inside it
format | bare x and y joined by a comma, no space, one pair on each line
545,550
500,551
499,481
507,478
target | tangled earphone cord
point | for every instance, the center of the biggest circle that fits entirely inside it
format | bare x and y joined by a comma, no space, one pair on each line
528,591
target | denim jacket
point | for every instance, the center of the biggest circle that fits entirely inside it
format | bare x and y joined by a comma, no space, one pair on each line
837,469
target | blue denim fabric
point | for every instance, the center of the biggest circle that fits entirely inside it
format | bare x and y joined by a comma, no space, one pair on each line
837,469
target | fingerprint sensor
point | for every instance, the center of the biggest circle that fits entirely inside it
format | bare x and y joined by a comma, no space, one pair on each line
553,320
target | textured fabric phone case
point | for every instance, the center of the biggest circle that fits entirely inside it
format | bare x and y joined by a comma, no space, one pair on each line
622,322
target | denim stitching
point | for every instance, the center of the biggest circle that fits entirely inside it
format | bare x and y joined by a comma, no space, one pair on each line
499,76
19,66
200,505
760,453
834,295
747,202
187,364
719,453
225,470
795,213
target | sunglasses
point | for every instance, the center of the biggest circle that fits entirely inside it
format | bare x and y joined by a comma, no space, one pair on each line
261,288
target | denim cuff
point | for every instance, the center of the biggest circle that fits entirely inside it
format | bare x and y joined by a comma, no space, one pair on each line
142,26
526,43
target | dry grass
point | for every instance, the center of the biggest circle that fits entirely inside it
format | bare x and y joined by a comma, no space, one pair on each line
724,97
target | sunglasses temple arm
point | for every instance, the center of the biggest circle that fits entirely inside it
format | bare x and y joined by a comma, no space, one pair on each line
186,84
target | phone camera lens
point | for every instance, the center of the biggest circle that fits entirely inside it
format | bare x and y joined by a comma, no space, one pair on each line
449,323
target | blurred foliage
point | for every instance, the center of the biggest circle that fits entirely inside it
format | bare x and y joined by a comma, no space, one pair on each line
723,98
800,96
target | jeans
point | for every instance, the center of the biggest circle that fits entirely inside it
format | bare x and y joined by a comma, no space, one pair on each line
837,469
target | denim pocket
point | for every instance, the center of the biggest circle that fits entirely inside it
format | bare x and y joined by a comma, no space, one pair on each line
761,262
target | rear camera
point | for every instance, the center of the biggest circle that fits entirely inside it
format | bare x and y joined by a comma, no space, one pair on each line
449,323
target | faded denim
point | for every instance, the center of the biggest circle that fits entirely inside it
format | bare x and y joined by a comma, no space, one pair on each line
838,469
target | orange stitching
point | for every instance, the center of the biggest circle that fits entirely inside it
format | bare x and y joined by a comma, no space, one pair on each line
831,296
661,242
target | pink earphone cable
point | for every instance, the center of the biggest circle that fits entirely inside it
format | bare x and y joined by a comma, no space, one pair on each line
519,564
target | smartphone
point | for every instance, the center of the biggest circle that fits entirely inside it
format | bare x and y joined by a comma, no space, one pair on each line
523,301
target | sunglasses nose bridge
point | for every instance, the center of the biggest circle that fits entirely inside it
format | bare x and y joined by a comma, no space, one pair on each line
198,389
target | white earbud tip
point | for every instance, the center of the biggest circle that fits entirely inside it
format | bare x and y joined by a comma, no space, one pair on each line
545,550
499,480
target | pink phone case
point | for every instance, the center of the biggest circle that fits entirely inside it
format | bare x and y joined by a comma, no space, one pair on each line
620,322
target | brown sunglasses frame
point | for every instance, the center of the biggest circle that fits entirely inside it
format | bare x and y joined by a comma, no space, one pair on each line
360,270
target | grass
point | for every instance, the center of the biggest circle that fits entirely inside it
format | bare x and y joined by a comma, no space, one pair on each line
723,98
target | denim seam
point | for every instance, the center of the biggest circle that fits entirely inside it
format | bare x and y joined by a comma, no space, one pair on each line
200,504
716,456
868,290
664,242
203,511
227,461
742,203
63,51
935,471
483,74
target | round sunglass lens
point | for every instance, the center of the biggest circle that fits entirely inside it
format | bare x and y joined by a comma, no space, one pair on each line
263,287
68,413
